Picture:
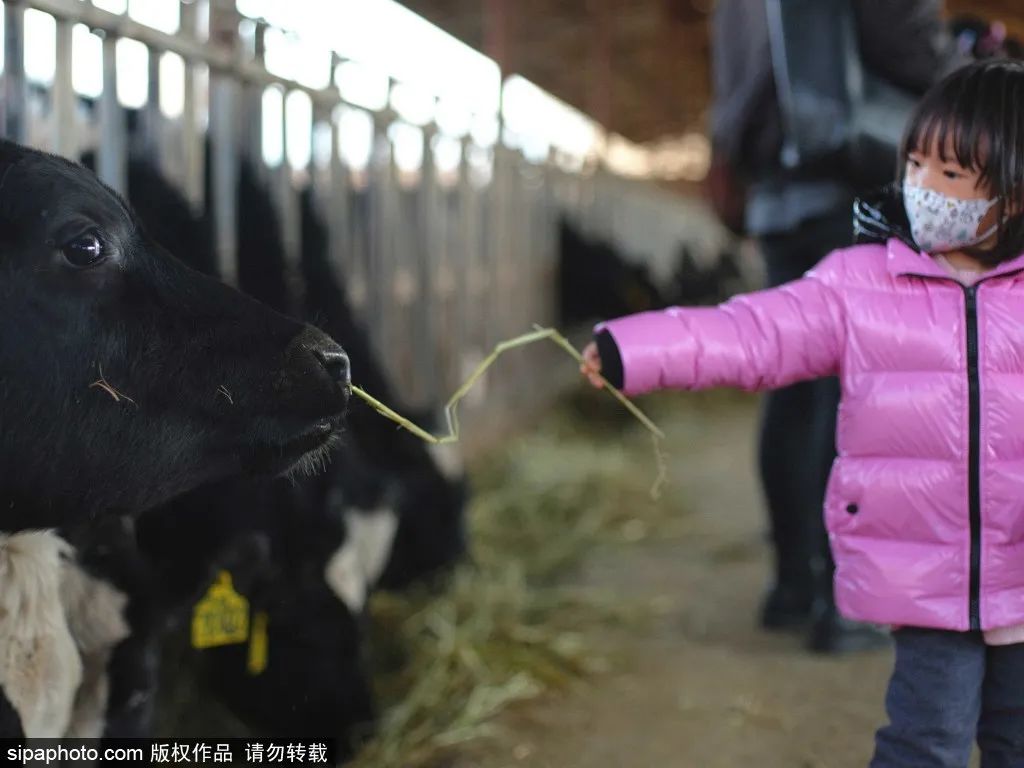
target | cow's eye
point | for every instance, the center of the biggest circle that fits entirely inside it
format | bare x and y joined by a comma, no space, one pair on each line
84,251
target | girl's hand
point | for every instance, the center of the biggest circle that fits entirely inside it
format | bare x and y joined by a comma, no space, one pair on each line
591,365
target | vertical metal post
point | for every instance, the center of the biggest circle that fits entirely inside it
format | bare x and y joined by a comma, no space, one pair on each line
380,272
426,251
338,206
252,124
192,142
498,252
15,93
406,235
65,133
223,144
288,209
152,133
476,238
224,166
467,240
110,162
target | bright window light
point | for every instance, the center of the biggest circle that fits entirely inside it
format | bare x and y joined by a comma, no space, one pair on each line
407,141
392,39
447,154
86,62
40,46
453,118
159,14
626,158
299,114
484,130
686,157
362,85
259,9
412,50
279,59
114,6
172,85
132,73
481,165
322,137
538,117
295,58
355,137
535,149
254,9
273,136
412,104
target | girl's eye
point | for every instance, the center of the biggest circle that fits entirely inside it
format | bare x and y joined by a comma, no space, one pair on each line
952,174
914,162
84,251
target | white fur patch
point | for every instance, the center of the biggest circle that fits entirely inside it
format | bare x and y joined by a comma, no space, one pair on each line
357,564
95,612
40,669
58,626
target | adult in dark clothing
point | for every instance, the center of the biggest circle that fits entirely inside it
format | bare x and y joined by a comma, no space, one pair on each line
798,215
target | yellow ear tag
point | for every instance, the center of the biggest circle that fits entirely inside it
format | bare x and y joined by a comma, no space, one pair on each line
258,644
221,617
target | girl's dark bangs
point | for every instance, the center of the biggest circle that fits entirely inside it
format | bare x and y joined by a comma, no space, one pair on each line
949,117
938,130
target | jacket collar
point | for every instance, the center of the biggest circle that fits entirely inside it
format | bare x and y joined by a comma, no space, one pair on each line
904,260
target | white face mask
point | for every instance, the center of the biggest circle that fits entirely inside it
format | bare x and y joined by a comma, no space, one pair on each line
941,223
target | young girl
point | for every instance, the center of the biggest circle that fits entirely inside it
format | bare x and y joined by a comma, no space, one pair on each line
925,505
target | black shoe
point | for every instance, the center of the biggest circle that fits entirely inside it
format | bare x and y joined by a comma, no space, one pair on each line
785,607
832,634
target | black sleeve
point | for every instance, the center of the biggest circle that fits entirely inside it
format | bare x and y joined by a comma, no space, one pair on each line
611,360
907,43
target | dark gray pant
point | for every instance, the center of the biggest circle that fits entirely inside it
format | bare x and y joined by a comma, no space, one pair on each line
798,428
948,689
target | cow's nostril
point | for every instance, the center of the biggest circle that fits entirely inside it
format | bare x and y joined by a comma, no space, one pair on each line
335,362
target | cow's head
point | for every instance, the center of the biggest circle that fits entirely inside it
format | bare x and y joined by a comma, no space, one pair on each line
127,378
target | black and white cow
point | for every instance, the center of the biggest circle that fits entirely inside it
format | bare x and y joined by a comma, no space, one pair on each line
307,566
430,533
386,514
596,281
126,379
693,284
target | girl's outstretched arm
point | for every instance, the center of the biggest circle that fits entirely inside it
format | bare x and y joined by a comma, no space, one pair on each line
755,341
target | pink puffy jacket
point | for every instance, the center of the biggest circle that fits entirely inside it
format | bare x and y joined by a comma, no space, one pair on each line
925,503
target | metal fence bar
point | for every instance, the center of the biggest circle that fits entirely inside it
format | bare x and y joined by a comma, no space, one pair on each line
224,168
151,137
15,91
288,209
192,142
110,160
438,272
216,58
65,131
425,255
338,210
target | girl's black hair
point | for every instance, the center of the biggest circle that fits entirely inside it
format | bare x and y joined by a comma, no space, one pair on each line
981,108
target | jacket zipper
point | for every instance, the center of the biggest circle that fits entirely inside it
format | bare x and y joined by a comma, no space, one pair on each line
974,439
974,454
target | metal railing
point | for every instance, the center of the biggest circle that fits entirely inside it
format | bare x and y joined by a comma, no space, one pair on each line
439,269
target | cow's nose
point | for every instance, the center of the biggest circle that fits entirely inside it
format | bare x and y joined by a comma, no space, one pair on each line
335,362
